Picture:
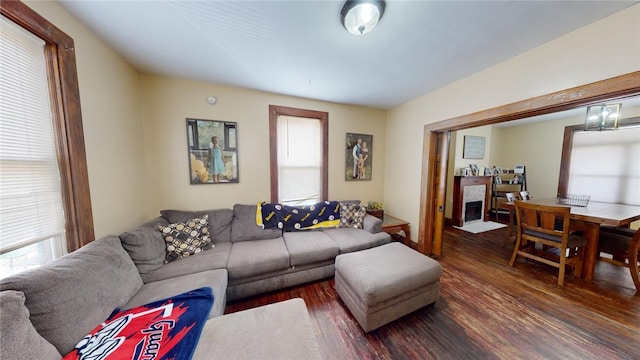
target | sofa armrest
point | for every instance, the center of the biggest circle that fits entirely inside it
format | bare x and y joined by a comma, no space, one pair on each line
372,224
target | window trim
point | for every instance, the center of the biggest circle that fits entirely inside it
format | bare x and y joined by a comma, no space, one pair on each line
67,120
274,112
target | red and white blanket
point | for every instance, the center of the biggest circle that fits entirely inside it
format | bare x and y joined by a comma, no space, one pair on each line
168,329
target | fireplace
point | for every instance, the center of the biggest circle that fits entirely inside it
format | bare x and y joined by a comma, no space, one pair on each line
470,189
472,211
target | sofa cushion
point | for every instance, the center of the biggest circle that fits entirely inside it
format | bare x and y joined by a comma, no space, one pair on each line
249,258
352,216
310,247
146,246
282,330
68,297
244,227
219,221
18,338
210,259
186,238
349,240
162,289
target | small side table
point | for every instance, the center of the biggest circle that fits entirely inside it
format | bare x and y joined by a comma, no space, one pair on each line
392,226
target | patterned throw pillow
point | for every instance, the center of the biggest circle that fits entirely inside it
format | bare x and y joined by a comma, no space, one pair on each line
352,215
186,238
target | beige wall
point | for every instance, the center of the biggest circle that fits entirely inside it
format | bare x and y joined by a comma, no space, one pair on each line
560,64
135,136
110,101
167,102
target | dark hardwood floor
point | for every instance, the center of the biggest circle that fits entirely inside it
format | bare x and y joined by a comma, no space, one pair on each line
486,310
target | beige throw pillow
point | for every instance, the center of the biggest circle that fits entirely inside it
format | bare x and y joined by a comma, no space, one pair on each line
352,215
186,238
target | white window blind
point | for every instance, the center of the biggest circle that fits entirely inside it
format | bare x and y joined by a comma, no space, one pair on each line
299,160
606,165
30,193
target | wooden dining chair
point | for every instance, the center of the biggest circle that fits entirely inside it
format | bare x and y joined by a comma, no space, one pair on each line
537,224
511,197
623,245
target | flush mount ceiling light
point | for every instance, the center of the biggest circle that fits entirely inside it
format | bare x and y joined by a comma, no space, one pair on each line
361,16
602,117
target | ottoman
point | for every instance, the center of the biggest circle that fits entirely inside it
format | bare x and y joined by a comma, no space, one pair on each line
384,283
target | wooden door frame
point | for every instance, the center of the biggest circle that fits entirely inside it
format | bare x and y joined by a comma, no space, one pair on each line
605,90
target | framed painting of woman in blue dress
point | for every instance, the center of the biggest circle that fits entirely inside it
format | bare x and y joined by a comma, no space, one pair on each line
358,157
213,151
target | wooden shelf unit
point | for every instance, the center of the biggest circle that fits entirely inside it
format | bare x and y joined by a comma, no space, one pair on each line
502,184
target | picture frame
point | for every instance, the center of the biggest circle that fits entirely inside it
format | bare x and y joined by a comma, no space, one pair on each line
474,169
358,157
518,169
473,147
212,146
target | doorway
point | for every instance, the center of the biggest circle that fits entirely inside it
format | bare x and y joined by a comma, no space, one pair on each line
435,159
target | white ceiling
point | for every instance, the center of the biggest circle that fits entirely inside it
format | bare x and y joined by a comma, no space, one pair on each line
299,48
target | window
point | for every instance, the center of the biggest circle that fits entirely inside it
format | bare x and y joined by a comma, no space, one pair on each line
30,195
298,155
299,160
604,165
53,155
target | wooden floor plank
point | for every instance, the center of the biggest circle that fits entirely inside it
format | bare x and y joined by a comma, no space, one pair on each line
486,310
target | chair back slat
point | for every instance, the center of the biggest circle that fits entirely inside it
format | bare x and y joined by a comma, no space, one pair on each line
548,219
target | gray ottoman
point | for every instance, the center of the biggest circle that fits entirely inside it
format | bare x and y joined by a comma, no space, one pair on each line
384,283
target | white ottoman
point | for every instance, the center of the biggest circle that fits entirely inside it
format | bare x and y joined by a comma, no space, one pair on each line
384,283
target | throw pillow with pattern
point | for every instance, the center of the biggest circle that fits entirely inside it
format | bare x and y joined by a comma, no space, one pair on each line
186,238
352,215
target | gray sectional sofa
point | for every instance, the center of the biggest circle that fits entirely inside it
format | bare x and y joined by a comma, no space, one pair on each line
46,311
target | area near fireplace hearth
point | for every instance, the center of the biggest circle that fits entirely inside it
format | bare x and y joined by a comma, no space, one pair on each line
471,196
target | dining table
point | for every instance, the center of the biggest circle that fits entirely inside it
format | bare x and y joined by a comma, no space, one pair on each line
588,219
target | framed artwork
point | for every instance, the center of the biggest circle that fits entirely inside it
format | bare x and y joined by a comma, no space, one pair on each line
473,147
213,151
358,157
474,170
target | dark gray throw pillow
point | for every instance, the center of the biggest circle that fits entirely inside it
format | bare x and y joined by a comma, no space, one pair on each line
244,225
145,245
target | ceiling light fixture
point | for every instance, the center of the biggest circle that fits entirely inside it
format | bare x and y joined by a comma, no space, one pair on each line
602,117
361,16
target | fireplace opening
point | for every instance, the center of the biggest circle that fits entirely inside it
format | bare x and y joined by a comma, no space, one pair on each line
472,210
